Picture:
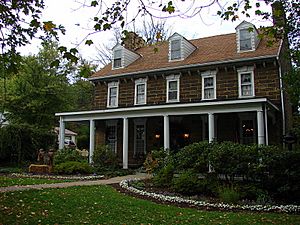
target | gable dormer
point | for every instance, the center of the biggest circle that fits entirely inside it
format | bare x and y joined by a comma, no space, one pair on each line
179,47
246,37
122,57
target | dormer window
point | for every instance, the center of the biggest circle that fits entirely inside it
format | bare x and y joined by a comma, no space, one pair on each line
175,49
117,60
246,37
245,40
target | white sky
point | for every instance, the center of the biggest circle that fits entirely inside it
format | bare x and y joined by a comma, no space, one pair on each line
77,21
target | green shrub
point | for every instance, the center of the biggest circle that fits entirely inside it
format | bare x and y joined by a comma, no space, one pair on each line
188,183
156,160
164,177
229,195
67,155
105,157
73,167
193,156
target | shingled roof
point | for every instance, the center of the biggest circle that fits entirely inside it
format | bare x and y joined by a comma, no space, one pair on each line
209,50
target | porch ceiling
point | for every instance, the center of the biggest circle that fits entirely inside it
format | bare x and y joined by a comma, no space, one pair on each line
230,106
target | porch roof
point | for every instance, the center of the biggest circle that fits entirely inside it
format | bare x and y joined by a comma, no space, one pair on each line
227,106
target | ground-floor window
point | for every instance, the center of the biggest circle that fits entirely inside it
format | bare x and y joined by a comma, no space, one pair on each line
111,135
139,138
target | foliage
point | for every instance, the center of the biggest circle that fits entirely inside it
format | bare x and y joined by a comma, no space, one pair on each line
188,183
20,143
102,205
104,157
73,167
156,160
164,176
67,155
193,156
229,195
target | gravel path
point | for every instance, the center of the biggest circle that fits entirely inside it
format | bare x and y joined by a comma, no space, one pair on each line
113,180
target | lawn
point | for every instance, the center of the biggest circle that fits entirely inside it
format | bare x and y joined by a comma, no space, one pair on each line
11,181
104,205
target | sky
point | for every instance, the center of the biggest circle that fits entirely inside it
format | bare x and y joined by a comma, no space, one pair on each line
77,19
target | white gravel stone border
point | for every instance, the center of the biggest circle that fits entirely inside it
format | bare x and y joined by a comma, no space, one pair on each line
259,208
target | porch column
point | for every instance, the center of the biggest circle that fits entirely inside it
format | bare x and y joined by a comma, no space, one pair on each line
125,143
211,127
266,126
260,127
61,133
92,140
166,132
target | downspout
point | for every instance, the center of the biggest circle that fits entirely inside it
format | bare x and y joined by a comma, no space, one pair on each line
281,90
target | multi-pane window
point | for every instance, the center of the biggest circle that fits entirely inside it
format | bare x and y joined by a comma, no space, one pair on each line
111,136
140,91
117,61
175,49
173,88
245,40
112,97
246,82
209,85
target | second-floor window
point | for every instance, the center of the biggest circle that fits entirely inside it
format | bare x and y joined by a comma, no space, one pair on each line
175,49
173,88
112,94
246,82
209,85
140,91
117,61
245,40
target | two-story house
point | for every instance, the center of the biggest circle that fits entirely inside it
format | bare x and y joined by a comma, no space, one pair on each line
225,88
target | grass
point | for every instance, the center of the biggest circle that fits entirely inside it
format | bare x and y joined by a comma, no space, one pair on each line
103,205
12,181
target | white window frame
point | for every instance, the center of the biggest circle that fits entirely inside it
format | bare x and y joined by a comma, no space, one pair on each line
169,79
140,122
209,74
246,70
113,60
141,81
180,49
109,87
113,123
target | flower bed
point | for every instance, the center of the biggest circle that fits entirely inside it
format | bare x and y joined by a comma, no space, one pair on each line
174,199
26,175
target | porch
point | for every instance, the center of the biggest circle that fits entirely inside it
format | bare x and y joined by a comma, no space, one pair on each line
132,132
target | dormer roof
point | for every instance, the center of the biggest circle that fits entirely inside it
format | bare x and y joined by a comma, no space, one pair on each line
210,51
179,47
122,57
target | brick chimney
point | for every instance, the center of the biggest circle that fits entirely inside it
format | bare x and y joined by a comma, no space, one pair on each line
133,41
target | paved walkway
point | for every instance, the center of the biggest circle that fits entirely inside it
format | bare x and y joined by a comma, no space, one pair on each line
113,180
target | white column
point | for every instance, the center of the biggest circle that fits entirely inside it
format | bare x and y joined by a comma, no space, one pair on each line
125,143
211,135
61,133
266,126
92,140
211,127
260,127
166,132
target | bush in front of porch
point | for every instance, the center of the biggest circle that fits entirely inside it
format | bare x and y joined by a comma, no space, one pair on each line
259,173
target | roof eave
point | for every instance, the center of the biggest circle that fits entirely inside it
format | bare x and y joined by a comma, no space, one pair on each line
181,67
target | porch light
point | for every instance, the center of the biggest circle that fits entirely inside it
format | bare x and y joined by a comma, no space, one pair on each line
186,135
157,136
